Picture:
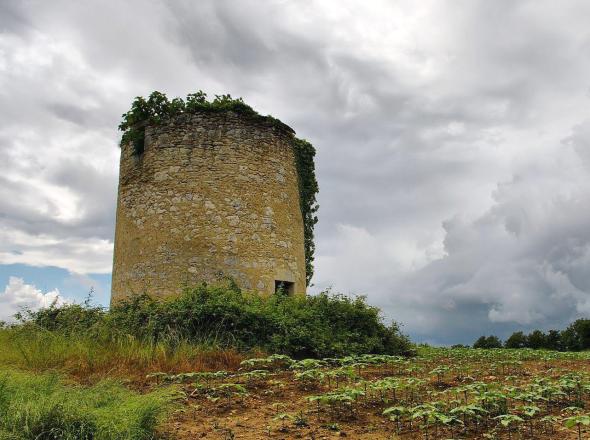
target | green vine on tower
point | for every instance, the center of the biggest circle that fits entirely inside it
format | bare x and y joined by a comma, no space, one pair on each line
157,108
308,189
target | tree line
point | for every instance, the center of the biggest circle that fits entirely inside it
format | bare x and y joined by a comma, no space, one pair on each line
575,337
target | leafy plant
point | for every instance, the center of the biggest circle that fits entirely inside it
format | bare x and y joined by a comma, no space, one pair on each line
509,421
577,421
227,391
282,417
396,414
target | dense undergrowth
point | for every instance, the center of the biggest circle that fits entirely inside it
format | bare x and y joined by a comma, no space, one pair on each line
206,328
43,407
225,317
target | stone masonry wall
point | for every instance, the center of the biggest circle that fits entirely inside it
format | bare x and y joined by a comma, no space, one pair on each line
213,195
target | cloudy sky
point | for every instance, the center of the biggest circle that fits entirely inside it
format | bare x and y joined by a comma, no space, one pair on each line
453,143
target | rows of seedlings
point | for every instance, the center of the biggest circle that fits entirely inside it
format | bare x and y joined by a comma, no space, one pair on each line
439,394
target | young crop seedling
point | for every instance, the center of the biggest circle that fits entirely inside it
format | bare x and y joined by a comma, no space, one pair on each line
254,376
309,379
282,417
438,394
510,421
300,420
577,422
440,373
308,364
227,391
396,415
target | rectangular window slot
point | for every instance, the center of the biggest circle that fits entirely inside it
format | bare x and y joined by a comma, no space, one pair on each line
284,287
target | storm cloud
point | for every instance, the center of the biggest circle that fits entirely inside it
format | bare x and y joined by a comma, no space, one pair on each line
453,140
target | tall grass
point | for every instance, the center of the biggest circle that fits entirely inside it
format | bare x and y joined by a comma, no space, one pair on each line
89,358
205,328
43,407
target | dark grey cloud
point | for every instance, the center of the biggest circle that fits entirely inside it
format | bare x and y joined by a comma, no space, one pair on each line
452,139
13,17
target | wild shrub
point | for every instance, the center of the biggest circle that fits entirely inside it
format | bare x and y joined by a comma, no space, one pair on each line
73,318
300,326
323,325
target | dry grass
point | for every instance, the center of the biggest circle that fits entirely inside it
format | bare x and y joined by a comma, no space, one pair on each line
89,360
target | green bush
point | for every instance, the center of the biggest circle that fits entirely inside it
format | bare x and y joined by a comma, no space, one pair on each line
42,407
324,325
72,318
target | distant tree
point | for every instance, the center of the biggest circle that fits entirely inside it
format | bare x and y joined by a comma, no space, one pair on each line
577,336
574,338
488,342
516,340
569,341
460,346
480,343
582,327
494,342
553,340
537,339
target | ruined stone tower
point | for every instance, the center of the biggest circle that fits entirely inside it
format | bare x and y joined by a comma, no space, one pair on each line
213,194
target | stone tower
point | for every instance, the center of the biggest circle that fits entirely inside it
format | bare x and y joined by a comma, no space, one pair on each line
213,194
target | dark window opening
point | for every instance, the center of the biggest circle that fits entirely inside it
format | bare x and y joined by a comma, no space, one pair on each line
284,287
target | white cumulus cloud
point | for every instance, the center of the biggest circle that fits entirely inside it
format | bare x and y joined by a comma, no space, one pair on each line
18,295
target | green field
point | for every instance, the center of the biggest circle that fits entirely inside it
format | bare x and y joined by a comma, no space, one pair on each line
437,394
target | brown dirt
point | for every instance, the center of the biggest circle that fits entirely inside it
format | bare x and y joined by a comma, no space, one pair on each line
253,416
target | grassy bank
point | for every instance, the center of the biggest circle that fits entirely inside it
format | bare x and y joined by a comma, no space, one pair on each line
44,407
89,359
